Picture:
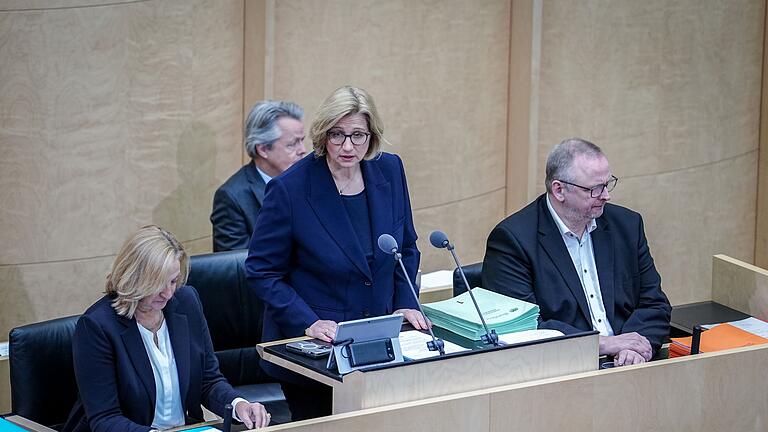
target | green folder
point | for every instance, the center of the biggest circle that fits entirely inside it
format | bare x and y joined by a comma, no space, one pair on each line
503,314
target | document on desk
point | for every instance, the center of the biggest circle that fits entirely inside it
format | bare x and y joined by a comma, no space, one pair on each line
413,343
718,338
529,335
503,314
436,279
751,325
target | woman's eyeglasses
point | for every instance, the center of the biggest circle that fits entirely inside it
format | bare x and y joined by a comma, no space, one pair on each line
357,138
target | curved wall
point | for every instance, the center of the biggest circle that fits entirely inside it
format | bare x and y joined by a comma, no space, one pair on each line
116,114
112,116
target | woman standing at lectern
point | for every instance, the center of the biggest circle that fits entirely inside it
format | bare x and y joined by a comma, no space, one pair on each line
313,256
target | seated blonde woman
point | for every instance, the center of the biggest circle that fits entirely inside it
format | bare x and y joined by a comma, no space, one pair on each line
143,355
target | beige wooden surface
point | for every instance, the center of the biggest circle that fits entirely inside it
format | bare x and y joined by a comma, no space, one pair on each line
714,392
740,285
5,385
761,230
522,108
113,115
421,380
435,294
255,33
711,392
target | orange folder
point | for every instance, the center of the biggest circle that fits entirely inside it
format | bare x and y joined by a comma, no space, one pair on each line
718,338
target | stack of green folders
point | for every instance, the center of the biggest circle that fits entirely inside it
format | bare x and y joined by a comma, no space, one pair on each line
503,314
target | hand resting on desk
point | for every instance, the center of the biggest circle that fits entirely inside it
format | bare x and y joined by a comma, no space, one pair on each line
627,357
325,330
417,320
626,348
253,415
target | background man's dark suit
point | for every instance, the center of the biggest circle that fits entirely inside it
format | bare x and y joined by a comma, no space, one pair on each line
526,258
235,207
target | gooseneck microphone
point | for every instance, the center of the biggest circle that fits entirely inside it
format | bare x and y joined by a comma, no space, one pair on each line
388,245
227,426
440,241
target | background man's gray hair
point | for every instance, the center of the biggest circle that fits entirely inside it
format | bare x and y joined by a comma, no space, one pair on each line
261,125
561,158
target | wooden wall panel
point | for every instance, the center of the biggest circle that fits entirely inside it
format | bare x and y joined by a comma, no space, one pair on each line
5,384
761,231
740,286
111,117
254,56
438,73
671,91
36,292
522,97
674,221
115,114
30,5
467,222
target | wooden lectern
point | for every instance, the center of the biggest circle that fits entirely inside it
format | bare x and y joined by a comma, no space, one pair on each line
438,376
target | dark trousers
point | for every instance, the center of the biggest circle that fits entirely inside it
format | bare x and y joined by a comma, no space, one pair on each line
309,400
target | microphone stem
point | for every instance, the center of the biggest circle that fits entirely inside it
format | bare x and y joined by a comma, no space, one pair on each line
472,296
399,259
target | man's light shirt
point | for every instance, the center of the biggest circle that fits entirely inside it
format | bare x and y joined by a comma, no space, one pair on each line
583,257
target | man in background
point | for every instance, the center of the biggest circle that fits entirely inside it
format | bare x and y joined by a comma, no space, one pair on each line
585,262
274,139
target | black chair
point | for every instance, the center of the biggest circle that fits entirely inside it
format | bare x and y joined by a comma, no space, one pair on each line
43,387
235,316
474,273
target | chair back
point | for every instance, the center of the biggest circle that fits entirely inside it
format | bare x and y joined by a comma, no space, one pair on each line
474,273
233,312
43,387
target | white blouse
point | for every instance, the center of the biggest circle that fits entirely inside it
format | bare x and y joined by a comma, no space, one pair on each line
168,410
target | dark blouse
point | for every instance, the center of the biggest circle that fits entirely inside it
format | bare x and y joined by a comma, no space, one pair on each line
357,209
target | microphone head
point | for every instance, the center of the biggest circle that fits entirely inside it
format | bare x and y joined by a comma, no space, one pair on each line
387,244
439,239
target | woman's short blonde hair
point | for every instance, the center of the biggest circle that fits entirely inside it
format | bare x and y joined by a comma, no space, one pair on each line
143,266
342,102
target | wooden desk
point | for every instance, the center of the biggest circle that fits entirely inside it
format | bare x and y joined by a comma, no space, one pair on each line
435,294
711,392
740,286
460,372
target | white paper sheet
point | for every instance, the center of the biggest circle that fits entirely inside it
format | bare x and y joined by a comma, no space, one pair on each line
414,345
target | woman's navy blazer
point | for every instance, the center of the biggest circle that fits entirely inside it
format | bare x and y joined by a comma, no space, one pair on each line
114,375
305,261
